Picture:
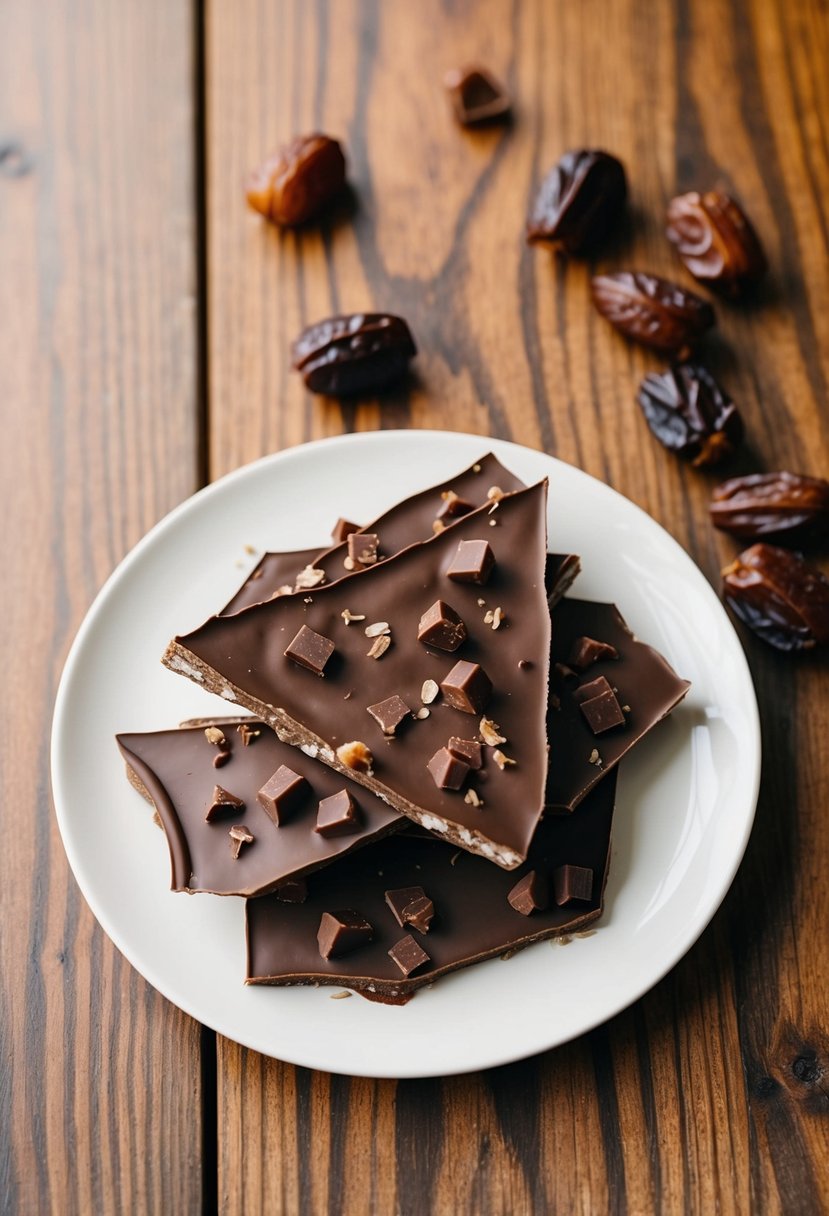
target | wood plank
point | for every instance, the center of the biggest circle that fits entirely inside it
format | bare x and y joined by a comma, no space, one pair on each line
100,1087
710,1093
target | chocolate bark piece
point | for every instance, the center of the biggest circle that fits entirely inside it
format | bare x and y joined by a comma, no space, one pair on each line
448,772
409,955
440,626
342,932
283,792
310,650
239,657
530,894
222,802
411,906
402,525
239,835
571,883
468,750
587,651
172,768
362,548
562,571
476,920
390,713
341,531
472,562
337,815
648,689
467,687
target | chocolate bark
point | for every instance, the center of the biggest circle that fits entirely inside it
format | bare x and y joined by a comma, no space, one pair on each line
242,658
174,770
473,917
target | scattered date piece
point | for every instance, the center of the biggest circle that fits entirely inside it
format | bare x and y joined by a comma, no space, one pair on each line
786,506
653,311
299,181
476,95
580,200
783,599
715,240
690,414
348,355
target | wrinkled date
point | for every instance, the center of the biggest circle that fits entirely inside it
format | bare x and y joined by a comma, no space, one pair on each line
653,311
361,353
715,240
299,181
580,200
787,506
690,414
783,599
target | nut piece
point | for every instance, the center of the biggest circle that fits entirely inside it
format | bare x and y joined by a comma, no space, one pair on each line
783,599
295,184
429,691
355,755
215,736
715,240
690,414
376,629
311,576
579,202
653,311
490,732
787,506
361,353
503,761
476,95
379,647
348,617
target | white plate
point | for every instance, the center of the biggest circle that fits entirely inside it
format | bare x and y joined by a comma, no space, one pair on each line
686,796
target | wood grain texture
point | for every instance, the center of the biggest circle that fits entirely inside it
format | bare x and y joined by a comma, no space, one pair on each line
100,1083
712,1093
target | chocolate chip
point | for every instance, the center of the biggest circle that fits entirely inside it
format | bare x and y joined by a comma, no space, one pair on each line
595,688
389,713
472,563
468,750
530,894
411,906
221,803
408,954
453,507
448,772
440,626
573,882
337,815
341,932
467,687
292,891
587,651
603,713
310,650
342,530
239,835
362,548
282,793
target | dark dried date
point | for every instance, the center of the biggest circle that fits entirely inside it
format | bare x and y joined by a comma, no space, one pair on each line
580,200
653,311
690,414
783,599
786,506
361,353
715,240
295,184
476,95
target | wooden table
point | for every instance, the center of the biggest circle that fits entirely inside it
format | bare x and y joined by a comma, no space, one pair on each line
145,317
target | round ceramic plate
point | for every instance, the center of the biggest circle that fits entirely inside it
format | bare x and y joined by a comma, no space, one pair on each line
686,796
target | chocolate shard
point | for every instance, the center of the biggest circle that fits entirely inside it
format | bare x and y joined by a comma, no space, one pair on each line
362,548
467,687
411,906
283,793
221,803
342,530
239,835
530,894
408,954
337,815
572,883
440,626
468,750
448,772
390,713
472,562
603,712
342,932
293,891
587,651
310,650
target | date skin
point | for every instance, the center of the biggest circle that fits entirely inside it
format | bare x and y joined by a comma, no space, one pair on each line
579,202
690,414
787,506
654,311
716,241
297,183
783,599
361,353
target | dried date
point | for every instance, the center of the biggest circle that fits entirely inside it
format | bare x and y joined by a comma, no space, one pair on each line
653,311
783,599
299,181
361,353
580,200
690,414
787,506
716,241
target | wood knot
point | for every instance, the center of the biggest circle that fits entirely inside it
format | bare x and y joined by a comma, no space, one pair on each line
14,160
806,1069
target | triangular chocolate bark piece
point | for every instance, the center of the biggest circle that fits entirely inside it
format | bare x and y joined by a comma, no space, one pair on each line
320,667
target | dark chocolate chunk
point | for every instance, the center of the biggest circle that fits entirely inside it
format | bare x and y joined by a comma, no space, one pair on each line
362,548
294,891
282,793
411,906
311,650
468,750
530,894
341,932
453,506
572,882
408,954
239,835
222,802
390,713
448,772
603,713
594,688
342,530
337,815
476,95
440,626
472,563
587,651
467,687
